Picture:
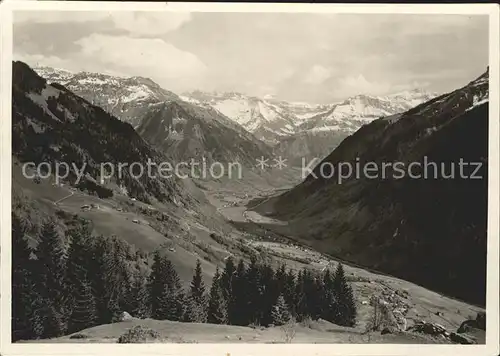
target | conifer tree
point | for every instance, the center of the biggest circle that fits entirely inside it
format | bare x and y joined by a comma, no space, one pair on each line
78,262
346,307
23,293
165,290
196,309
197,288
217,309
226,279
51,268
309,295
289,292
238,305
329,300
280,279
101,275
317,296
52,261
46,321
84,311
175,298
268,295
138,297
301,305
254,290
280,312
157,286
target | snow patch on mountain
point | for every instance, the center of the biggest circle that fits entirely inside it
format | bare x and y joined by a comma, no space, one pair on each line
264,118
137,92
41,99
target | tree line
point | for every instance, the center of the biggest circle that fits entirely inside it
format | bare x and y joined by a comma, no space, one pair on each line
74,280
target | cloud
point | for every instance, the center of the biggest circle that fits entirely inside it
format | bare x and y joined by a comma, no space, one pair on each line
303,57
317,74
149,23
143,56
360,85
59,16
137,22
72,64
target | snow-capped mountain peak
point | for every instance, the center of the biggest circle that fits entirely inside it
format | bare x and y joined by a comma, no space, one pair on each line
265,119
350,114
123,97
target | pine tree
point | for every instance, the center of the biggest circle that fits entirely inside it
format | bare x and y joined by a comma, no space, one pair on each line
217,309
156,286
196,310
117,278
51,268
175,298
52,261
280,278
309,295
280,312
289,292
197,290
267,286
23,294
84,311
238,305
137,297
165,290
300,298
226,279
78,257
346,307
317,296
254,290
329,301
46,321
77,263
101,278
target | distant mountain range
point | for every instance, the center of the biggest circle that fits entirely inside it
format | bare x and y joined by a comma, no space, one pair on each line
268,120
321,133
295,129
278,122
432,230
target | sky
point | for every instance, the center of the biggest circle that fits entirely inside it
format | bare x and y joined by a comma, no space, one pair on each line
316,58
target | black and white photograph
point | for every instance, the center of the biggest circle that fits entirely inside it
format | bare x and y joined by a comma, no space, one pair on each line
237,175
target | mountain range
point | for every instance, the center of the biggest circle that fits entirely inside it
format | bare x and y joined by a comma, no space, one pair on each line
321,133
294,129
287,125
123,97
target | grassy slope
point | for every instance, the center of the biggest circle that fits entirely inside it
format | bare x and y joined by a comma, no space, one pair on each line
177,332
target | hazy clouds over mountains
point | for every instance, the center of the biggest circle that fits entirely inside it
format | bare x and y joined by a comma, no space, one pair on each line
306,57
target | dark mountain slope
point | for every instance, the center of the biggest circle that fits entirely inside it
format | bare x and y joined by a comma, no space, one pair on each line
51,124
187,131
431,231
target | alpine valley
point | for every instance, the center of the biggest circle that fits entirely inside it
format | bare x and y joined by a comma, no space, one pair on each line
269,257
